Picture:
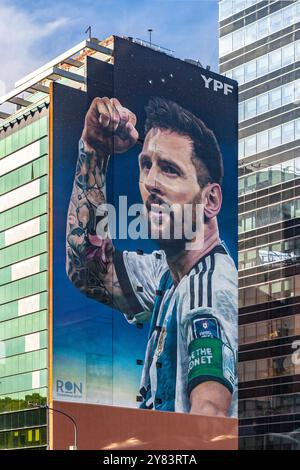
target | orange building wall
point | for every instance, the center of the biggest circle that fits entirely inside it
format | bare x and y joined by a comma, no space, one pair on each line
111,428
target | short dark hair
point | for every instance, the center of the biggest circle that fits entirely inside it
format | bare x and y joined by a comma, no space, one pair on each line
165,114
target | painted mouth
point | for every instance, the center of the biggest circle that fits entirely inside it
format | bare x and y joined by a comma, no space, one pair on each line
155,204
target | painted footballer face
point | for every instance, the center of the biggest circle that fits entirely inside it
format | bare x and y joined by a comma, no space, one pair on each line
167,177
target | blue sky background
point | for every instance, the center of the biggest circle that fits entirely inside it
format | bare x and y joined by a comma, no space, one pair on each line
35,31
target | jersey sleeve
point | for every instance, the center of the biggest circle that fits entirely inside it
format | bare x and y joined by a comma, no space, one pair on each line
210,333
139,275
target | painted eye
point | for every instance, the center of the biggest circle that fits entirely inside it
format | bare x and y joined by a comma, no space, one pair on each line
170,170
146,165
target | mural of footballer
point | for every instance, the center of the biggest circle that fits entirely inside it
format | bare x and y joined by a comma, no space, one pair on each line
188,296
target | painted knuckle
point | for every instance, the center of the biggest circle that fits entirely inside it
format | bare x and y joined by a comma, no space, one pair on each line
96,102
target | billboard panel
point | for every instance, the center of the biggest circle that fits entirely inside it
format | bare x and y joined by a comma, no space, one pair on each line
145,236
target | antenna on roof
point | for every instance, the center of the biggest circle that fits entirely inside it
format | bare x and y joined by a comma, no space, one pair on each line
89,32
150,35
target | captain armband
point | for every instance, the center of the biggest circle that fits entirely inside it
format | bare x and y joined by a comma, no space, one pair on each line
209,358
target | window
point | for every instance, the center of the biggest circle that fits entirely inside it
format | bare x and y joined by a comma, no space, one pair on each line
262,27
24,137
288,53
250,108
263,331
262,65
249,3
22,231
241,112
250,145
262,217
262,141
287,93
249,223
262,294
287,326
263,179
250,70
262,103
297,167
32,342
288,210
297,129
250,32
250,370
23,212
251,257
241,372
287,17
23,438
24,363
225,44
24,249
21,157
231,7
275,21
241,185
237,39
262,369
297,51
241,296
297,90
297,208
225,9
275,98
21,288
275,288
297,12
250,332
251,183
241,149
241,257
21,382
275,136
238,6
26,324
19,195
274,60
238,74
288,132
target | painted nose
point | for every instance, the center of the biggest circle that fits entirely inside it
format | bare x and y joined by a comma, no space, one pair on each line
151,181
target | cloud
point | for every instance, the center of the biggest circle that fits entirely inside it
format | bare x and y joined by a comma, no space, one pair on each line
41,29
21,31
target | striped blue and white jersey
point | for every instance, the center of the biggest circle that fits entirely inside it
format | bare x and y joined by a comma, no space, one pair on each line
193,325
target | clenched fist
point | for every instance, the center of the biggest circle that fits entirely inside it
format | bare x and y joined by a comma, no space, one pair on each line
109,127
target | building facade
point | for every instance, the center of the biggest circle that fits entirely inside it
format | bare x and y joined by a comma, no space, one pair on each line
260,48
23,274
33,412
31,145
24,240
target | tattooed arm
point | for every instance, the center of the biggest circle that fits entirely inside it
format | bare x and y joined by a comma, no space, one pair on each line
109,128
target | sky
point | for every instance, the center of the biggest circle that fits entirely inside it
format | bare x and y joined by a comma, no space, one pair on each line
35,31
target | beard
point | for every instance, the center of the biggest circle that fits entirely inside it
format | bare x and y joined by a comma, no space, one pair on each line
166,226
171,247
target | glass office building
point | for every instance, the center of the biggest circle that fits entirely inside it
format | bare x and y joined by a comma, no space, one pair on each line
23,278
260,48
24,241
